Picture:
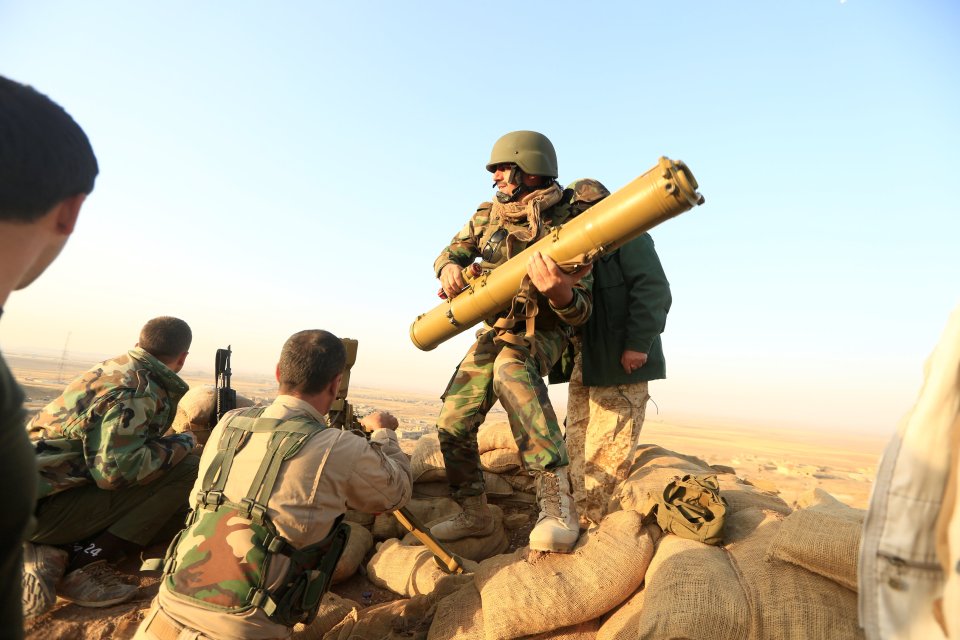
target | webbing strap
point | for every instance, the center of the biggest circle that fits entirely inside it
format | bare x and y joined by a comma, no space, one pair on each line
234,430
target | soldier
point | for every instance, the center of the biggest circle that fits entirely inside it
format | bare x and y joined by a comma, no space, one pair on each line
109,478
508,362
47,168
266,532
619,352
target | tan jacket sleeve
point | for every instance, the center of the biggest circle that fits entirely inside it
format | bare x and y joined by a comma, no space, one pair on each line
381,479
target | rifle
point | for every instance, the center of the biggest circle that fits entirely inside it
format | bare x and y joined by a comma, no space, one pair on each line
342,416
226,397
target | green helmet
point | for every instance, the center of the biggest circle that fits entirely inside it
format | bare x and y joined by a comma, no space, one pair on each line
531,151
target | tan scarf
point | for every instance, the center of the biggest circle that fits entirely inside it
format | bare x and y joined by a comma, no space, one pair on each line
524,304
528,209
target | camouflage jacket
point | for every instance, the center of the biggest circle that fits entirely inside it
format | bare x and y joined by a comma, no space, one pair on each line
107,426
478,235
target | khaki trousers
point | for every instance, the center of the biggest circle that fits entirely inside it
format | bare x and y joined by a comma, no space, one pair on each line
603,427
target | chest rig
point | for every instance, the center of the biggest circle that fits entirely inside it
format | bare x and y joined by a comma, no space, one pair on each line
221,560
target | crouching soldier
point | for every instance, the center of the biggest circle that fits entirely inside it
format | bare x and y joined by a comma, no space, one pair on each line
109,478
260,547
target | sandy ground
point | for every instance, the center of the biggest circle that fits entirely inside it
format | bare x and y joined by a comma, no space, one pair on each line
788,462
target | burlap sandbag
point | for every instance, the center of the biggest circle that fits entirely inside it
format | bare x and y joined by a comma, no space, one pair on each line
439,489
691,591
823,538
477,548
495,435
359,517
386,526
458,616
495,486
559,590
332,610
653,468
426,463
787,602
500,460
740,495
583,631
195,411
361,540
407,619
409,570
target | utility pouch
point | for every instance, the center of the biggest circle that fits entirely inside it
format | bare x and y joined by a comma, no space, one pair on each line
691,507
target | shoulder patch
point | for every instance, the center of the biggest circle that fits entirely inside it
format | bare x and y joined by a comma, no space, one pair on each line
586,191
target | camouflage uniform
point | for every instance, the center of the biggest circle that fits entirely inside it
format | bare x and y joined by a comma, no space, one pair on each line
104,461
332,471
493,369
605,405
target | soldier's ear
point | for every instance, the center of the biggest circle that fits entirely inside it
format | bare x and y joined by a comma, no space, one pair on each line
334,387
67,212
278,372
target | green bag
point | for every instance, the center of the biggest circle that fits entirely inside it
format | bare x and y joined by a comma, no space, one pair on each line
691,507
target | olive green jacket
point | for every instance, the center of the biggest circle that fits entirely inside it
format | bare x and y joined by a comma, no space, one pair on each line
631,298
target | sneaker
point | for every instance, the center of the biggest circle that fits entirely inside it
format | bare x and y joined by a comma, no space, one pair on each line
95,585
43,566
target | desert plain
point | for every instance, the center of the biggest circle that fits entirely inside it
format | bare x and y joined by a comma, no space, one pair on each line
786,461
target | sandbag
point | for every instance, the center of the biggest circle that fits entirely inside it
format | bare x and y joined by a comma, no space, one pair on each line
361,540
439,489
359,517
195,411
495,486
407,619
495,435
423,509
426,463
691,591
478,548
409,570
823,538
458,616
653,468
559,590
332,610
740,496
583,631
787,602
500,460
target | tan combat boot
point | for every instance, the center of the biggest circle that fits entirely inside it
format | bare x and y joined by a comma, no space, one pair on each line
558,527
475,520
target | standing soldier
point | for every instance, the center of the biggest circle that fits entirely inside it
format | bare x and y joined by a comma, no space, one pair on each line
619,353
47,168
508,362
261,545
109,478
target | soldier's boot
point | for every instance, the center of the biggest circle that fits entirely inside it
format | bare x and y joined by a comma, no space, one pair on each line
43,566
476,519
95,585
558,527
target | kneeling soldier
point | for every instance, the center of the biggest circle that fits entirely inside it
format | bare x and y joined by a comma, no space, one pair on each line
266,532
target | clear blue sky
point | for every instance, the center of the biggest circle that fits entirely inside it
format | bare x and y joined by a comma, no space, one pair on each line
270,167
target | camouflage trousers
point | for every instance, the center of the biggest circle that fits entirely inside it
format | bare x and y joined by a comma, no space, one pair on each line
491,371
603,427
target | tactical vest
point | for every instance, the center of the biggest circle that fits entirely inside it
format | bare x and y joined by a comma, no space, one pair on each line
222,558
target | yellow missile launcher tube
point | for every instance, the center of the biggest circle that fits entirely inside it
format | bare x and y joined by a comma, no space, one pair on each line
665,191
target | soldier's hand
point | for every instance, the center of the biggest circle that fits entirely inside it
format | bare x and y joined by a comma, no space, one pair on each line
451,279
632,360
379,420
552,281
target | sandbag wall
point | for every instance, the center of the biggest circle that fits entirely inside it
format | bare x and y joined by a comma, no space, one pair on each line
781,572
